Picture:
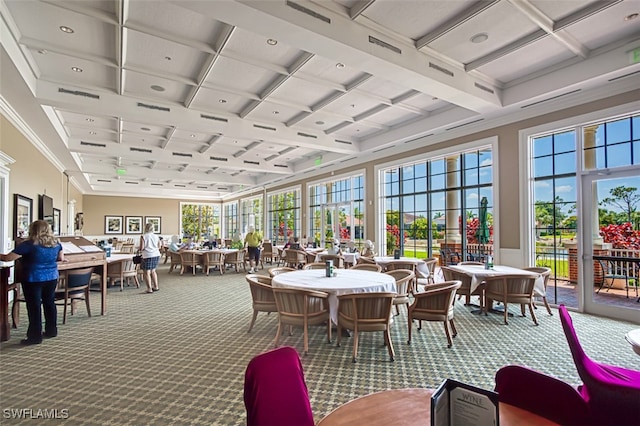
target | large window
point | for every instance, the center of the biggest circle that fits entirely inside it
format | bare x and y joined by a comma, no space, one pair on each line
283,215
200,221
231,220
251,212
441,206
336,210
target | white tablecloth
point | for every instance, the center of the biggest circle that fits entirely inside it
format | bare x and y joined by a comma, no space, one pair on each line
119,257
478,273
421,268
351,258
346,281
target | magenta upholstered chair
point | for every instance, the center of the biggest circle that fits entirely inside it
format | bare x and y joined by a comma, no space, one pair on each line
613,393
543,395
275,392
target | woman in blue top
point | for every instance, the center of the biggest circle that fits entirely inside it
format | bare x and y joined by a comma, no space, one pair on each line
39,254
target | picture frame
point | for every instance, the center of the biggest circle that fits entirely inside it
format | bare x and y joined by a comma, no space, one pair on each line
156,220
113,225
23,215
133,225
56,221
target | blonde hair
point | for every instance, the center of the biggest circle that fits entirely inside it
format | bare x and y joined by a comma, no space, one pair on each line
148,227
40,233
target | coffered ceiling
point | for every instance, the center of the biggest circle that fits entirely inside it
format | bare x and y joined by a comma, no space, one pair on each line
206,99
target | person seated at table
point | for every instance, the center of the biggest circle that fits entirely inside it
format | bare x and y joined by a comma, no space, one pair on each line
188,245
334,248
292,243
368,249
351,247
209,244
304,242
173,245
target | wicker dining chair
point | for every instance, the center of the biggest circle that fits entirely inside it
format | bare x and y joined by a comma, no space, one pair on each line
435,304
367,267
298,307
189,259
279,270
546,273
465,288
360,312
404,279
315,265
213,259
511,289
261,296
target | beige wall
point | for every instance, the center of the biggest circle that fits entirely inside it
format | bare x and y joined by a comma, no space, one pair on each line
32,175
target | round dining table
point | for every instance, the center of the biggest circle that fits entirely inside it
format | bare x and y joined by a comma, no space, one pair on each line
421,269
346,281
409,407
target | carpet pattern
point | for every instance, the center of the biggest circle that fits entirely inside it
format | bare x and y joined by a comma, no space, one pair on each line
178,356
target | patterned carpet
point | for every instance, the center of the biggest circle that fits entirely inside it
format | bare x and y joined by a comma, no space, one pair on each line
178,356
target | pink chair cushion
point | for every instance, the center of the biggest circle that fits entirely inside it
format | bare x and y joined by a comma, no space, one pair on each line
275,392
613,393
543,395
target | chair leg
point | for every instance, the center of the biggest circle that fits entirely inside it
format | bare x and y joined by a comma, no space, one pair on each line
277,339
392,353
329,330
305,333
453,327
522,311
339,331
448,333
546,304
253,320
64,311
506,313
533,315
355,346
409,321
397,310
86,301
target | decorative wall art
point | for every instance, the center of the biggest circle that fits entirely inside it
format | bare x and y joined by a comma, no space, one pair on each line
156,223
133,225
56,221
113,225
23,211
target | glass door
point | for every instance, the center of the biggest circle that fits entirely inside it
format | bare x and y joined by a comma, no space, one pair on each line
611,231
337,223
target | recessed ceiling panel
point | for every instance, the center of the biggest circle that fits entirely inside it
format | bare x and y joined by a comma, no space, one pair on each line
259,50
330,70
72,70
302,92
238,76
153,87
277,112
352,104
90,121
212,102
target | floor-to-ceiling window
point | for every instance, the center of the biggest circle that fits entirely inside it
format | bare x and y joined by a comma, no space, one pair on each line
439,206
200,221
251,214
583,204
336,210
231,220
283,215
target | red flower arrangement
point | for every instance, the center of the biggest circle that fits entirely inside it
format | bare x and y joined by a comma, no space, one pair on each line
621,236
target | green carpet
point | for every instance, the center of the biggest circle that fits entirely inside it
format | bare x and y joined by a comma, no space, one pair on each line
178,356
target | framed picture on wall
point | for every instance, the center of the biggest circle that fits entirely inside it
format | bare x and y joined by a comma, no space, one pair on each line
23,215
113,225
56,221
156,223
133,225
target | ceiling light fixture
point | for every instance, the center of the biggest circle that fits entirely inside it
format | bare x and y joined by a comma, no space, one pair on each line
157,88
193,136
276,112
43,51
90,120
222,101
631,17
479,38
272,42
146,129
66,29
319,123
339,65
168,58
76,69
92,133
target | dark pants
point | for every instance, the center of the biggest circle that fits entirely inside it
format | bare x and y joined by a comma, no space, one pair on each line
254,253
41,295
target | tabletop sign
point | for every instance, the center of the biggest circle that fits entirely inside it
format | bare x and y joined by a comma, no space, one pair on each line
457,404
396,254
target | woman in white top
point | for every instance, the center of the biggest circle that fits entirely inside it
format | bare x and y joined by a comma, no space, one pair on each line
150,250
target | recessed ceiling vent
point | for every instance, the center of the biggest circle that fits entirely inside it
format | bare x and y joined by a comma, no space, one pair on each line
283,166
218,159
623,76
213,117
257,163
182,154
156,107
78,93
260,126
157,184
550,99
441,69
347,159
104,180
308,11
223,188
96,145
382,149
464,124
131,183
344,142
485,88
134,149
180,186
385,45
202,187
307,135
